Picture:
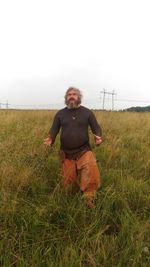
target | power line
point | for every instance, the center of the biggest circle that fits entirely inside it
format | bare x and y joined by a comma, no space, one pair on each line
132,100
28,106
6,105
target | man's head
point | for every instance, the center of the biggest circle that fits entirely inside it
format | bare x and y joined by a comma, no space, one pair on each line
73,98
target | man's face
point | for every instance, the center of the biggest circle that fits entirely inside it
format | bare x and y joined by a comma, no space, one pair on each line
72,96
72,99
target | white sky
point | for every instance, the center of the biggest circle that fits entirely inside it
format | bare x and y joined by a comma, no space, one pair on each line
47,46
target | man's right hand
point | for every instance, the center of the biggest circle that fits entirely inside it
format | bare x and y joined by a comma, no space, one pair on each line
48,141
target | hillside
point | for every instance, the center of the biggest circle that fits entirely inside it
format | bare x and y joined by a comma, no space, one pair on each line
138,109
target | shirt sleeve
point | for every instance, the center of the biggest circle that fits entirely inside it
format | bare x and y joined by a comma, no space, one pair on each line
95,127
54,130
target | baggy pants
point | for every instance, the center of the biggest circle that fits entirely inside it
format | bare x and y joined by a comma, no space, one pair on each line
89,180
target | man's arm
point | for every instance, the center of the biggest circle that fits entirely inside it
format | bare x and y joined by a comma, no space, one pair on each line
53,131
96,129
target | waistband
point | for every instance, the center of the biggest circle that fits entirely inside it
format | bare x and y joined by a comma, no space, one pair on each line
76,156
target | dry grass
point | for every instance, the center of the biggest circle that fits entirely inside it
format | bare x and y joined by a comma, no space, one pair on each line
43,227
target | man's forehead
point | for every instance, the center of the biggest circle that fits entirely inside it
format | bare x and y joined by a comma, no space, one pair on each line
72,91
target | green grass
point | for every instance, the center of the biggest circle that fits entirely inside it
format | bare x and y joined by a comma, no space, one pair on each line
41,226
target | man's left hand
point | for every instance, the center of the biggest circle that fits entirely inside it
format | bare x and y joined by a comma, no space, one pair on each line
98,140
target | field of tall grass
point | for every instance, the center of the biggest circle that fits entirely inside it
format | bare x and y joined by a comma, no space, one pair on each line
41,226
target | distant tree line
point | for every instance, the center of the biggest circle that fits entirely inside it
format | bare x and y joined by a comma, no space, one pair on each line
138,109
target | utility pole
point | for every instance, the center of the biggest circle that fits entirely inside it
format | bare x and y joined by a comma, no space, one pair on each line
104,92
7,104
113,94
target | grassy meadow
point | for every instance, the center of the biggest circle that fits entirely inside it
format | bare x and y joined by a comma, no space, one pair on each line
41,226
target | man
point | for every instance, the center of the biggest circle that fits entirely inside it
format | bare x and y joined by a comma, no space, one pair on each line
75,150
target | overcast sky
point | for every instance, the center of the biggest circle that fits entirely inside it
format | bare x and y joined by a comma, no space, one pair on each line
47,46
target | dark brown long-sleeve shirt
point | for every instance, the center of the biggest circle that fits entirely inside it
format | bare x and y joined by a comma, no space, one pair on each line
74,125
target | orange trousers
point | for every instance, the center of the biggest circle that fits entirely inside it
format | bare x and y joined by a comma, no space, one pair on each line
82,173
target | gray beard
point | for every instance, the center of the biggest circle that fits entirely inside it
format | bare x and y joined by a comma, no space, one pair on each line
72,105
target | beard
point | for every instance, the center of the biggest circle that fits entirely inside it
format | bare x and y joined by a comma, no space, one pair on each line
72,104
